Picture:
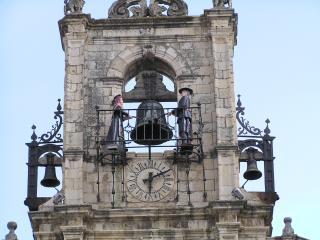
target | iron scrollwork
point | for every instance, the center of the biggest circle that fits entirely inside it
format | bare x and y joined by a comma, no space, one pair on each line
54,133
245,125
140,8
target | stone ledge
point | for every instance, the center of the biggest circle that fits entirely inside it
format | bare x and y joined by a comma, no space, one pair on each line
178,223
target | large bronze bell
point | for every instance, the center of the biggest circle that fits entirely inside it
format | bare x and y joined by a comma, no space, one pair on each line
252,172
50,178
151,125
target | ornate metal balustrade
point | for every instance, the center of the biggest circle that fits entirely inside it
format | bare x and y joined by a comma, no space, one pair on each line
150,140
43,151
250,137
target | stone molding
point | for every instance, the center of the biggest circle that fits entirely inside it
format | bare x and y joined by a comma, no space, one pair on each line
73,153
143,25
223,217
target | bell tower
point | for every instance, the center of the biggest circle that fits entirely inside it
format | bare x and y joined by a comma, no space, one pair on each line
155,171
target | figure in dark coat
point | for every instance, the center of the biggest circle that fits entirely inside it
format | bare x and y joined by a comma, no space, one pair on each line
184,116
115,137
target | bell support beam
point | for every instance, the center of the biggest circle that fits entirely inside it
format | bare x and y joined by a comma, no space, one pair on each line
268,164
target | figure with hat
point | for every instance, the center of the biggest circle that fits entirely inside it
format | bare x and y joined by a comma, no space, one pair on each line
115,136
184,119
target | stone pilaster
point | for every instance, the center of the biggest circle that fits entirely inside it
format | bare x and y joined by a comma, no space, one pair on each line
74,43
223,35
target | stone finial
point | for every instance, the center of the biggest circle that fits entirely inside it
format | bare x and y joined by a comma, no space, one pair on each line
12,226
288,230
222,3
73,6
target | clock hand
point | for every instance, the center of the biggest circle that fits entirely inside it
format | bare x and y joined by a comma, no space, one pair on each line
151,177
161,173
149,180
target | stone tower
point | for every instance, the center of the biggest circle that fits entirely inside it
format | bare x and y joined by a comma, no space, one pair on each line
198,194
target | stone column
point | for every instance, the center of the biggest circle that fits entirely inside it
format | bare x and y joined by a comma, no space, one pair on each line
74,42
223,34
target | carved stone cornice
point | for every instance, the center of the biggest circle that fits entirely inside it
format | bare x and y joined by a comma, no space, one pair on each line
140,8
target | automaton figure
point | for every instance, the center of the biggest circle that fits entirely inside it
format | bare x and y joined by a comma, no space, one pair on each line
184,118
115,136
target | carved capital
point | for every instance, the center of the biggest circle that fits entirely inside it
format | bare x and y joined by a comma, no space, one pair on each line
140,8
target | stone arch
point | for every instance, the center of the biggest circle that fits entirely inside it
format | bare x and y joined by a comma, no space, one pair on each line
166,60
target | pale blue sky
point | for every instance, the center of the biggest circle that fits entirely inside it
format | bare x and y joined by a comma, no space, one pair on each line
276,70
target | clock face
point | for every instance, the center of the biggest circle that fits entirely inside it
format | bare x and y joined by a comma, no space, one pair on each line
149,180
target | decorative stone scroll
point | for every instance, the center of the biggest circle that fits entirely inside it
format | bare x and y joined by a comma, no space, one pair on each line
73,6
222,4
140,8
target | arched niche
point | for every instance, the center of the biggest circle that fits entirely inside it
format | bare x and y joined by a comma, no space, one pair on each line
164,60
149,84
153,64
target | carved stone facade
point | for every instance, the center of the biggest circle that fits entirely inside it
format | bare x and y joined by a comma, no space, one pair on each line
101,57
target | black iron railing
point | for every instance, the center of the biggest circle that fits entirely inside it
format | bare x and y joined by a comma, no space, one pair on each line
148,138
